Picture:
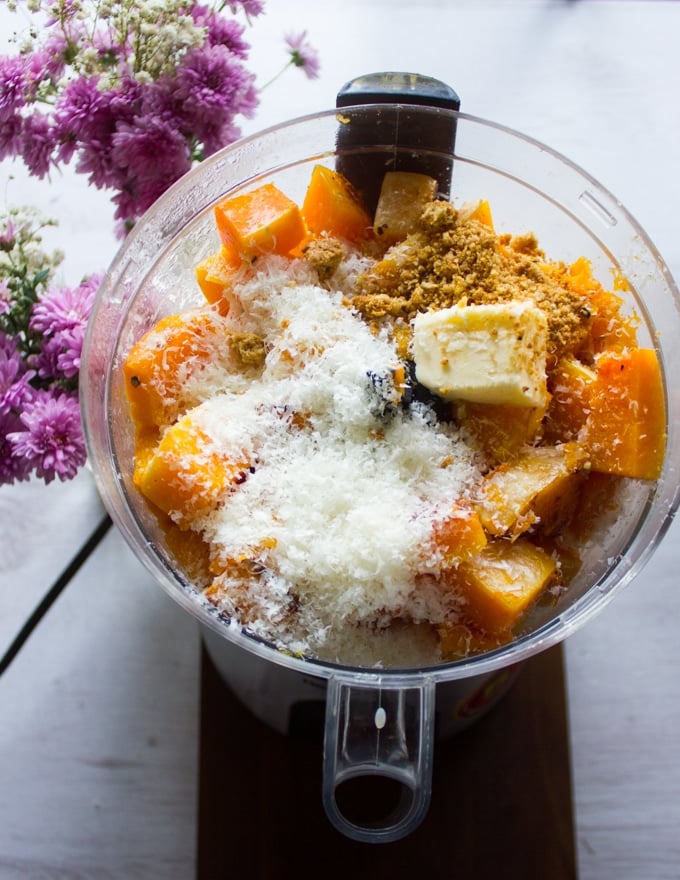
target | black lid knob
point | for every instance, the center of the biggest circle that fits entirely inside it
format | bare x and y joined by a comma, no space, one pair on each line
397,88
399,122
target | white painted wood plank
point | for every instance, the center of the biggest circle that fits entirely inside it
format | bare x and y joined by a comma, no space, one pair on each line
98,733
41,528
623,674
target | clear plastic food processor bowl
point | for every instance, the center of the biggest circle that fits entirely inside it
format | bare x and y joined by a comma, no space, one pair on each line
378,721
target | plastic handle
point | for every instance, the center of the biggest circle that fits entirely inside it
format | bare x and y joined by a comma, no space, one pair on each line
377,769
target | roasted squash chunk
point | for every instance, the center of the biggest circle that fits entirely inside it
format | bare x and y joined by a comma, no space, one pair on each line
571,386
626,428
502,582
403,195
186,476
158,367
502,432
332,207
461,640
479,211
459,536
214,274
515,495
262,221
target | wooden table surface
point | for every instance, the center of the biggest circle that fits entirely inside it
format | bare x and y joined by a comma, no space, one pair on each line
100,711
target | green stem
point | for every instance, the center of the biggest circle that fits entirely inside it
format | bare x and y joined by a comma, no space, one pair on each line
277,75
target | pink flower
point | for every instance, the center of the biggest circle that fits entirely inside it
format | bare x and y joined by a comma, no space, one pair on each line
15,388
12,84
5,298
252,7
136,152
63,308
221,31
37,144
10,137
85,120
52,441
68,359
12,467
8,236
303,54
210,89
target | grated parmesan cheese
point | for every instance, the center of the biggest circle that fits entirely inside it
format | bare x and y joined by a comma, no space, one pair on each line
330,534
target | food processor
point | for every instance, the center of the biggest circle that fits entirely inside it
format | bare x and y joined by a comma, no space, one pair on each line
381,722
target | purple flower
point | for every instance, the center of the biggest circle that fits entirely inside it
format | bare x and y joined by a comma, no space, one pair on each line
37,144
137,152
61,9
15,388
212,81
63,308
210,89
221,31
216,137
61,316
10,137
68,359
5,297
12,84
52,440
8,236
251,7
59,357
84,119
8,345
43,65
12,467
303,54
46,361
52,59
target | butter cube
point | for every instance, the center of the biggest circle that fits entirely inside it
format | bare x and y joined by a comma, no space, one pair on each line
492,353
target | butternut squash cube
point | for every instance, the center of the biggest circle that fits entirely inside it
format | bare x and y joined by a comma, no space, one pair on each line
554,507
262,221
514,495
610,329
459,536
502,432
189,549
160,363
403,195
626,428
597,501
571,386
186,476
479,211
147,438
502,582
460,640
215,273
332,207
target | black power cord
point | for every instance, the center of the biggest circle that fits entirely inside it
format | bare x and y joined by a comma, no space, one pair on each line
54,591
